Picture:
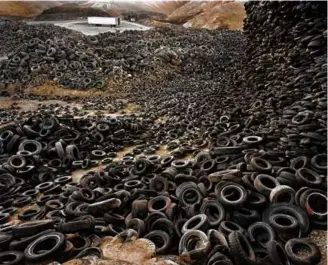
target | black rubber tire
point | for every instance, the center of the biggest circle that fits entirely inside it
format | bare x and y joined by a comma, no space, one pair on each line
6,182
12,145
238,192
264,184
289,209
152,217
4,218
104,206
141,166
70,209
159,204
318,162
257,235
260,165
25,145
22,201
49,253
87,223
159,184
31,228
219,259
52,205
161,240
22,243
277,253
287,224
95,240
200,244
240,249
5,239
227,227
311,258
60,149
63,180
214,211
72,152
256,201
218,240
91,251
299,162
165,225
198,222
303,174
208,166
79,242
17,162
84,194
114,218
12,258
11,210
244,217
282,193
30,213
189,194
32,193
137,225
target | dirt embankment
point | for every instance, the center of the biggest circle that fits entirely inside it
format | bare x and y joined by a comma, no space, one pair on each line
50,10
24,9
210,15
205,14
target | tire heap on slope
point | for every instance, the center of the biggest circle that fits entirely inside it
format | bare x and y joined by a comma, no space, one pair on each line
140,15
253,198
85,61
14,34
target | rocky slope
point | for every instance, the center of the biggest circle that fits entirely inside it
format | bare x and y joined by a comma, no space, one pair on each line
210,15
205,14
25,9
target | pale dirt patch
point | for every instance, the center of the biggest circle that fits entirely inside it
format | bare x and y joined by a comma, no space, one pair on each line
319,237
50,89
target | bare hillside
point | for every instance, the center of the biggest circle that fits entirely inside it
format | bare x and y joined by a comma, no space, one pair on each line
25,9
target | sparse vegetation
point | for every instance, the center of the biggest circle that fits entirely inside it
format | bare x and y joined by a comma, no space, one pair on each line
51,89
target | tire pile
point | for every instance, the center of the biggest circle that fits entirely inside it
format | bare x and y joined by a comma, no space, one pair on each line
14,34
287,48
245,178
83,62
140,15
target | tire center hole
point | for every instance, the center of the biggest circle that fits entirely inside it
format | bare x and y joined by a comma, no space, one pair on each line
284,197
7,258
45,245
318,203
283,221
231,194
301,250
158,205
193,223
268,183
307,175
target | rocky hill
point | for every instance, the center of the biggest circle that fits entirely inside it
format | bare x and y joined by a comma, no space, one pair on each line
205,14
23,9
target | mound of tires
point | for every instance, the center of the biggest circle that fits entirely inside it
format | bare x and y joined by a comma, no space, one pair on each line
83,62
